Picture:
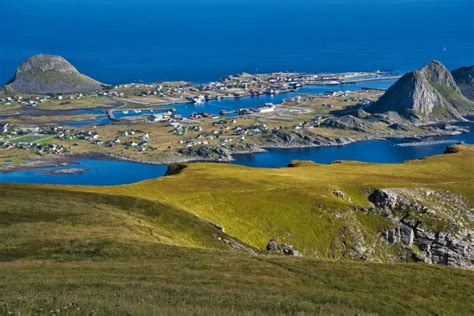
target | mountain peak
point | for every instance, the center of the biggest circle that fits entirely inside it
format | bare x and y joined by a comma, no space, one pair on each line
428,94
437,74
49,74
45,63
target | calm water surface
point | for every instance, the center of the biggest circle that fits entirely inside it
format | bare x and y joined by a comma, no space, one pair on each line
107,172
153,40
383,151
215,106
119,41
99,172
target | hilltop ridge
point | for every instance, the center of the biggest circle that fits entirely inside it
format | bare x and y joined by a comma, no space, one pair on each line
48,74
464,78
428,94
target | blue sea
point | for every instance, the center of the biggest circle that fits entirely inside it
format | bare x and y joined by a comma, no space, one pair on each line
117,41
120,41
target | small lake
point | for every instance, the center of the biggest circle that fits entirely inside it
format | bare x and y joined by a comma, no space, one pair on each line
112,172
233,104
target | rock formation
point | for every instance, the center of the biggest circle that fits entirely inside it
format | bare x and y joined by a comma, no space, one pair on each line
46,74
464,78
429,94
432,226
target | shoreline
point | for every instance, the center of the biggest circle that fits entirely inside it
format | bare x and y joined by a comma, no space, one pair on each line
68,160
125,103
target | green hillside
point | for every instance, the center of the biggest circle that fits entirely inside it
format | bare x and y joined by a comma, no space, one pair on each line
298,204
39,223
157,247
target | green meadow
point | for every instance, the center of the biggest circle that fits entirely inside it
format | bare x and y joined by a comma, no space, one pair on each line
193,243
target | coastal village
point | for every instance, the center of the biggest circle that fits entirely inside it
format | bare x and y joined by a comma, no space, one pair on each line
147,137
148,108
144,122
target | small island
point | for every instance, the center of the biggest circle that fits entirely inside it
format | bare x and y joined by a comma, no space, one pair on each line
69,171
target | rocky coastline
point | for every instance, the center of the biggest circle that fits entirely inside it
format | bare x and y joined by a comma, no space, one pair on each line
271,140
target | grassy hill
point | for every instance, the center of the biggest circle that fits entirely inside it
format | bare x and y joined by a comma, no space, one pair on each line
298,204
156,247
48,74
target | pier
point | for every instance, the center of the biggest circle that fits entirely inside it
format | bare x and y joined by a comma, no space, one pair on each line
370,79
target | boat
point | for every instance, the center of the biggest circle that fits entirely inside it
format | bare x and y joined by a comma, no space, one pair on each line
199,99
268,107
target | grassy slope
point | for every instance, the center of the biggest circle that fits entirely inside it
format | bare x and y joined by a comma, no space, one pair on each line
255,205
460,102
203,282
42,223
120,249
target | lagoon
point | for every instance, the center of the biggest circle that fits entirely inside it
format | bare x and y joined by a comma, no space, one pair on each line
232,104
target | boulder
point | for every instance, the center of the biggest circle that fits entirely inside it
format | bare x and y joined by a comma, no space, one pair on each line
272,245
384,199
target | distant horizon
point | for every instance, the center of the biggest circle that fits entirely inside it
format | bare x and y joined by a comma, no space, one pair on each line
149,41
252,73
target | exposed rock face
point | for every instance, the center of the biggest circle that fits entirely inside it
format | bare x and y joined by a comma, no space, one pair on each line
464,78
429,94
434,227
218,153
437,74
347,122
401,233
300,138
45,74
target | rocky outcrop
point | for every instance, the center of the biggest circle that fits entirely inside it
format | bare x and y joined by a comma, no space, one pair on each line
218,152
432,226
347,122
464,78
429,94
279,138
286,249
45,74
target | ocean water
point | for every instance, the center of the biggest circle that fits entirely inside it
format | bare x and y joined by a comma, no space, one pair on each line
378,151
117,41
